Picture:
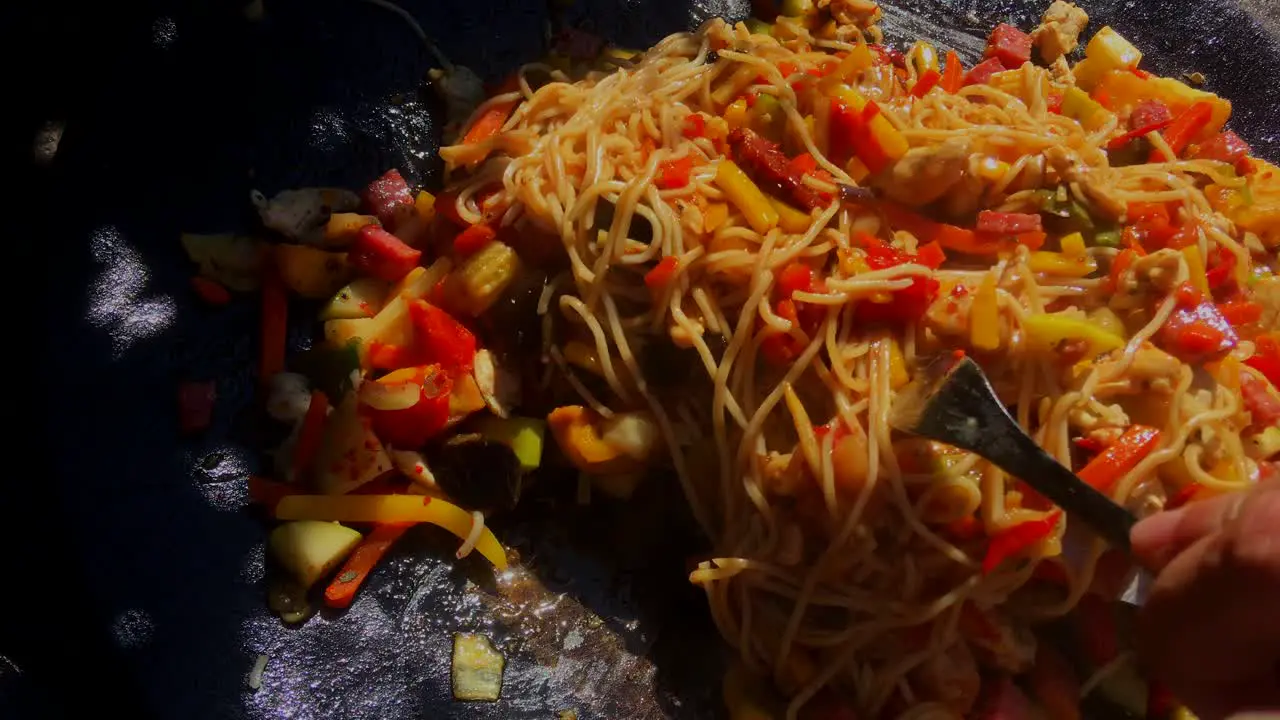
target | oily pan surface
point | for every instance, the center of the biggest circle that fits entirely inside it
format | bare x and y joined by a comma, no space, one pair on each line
191,107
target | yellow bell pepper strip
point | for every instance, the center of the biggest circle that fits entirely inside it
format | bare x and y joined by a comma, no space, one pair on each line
898,375
489,123
857,127
953,74
1107,51
746,196
1017,539
1061,264
984,318
858,59
790,219
714,216
360,563
1106,469
736,114
1047,331
1183,128
1199,277
391,509
1073,245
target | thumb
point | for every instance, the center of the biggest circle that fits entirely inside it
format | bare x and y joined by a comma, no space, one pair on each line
1161,537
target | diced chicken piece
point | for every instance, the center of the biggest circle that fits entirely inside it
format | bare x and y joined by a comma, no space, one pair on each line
782,474
948,316
858,13
301,214
1158,271
1060,69
1095,416
1059,30
925,174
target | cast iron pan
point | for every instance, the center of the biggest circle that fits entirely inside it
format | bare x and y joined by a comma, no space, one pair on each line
179,109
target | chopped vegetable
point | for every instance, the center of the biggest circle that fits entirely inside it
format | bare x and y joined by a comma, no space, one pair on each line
746,196
984,323
234,261
210,291
350,455
441,339
311,272
1183,128
1077,104
1262,402
473,239
1266,358
378,253
361,298
477,668
634,434
928,80
422,416
310,549
1196,332
391,509
981,73
489,123
953,73
195,405
1105,470
578,433
790,219
1062,265
1015,540
1046,332
360,563
342,228
482,278
857,128
310,434
1107,51
522,435
663,273
390,199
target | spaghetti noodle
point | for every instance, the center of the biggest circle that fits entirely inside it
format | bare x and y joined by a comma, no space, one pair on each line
783,208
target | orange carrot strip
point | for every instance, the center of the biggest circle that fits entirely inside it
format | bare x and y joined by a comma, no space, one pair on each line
343,589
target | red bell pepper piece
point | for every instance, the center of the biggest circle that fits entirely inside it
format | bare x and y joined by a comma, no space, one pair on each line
663,273
389,197
1193,333
953,73
1259,400
310,434
385,356
380,254
925,83
1053,102
267,492
1240,312
411,427
361,562
904,305
1266,358
795,277
210,291
1222,268
1188,295
931,255
982,72
851,134
695,126
489,123
674,173
1009,45
441,339
275,325
1184,127
1002,223
195,405
802,164
473,239
446,206
950,237
1014,540
1140,131
1105,469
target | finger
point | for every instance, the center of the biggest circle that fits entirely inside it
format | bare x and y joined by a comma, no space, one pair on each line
1156,540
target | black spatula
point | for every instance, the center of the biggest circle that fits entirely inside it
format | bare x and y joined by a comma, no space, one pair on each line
955,404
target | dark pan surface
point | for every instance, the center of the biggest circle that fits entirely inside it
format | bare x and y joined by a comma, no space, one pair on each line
179,109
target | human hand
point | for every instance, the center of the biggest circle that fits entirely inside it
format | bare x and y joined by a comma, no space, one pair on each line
1210,628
